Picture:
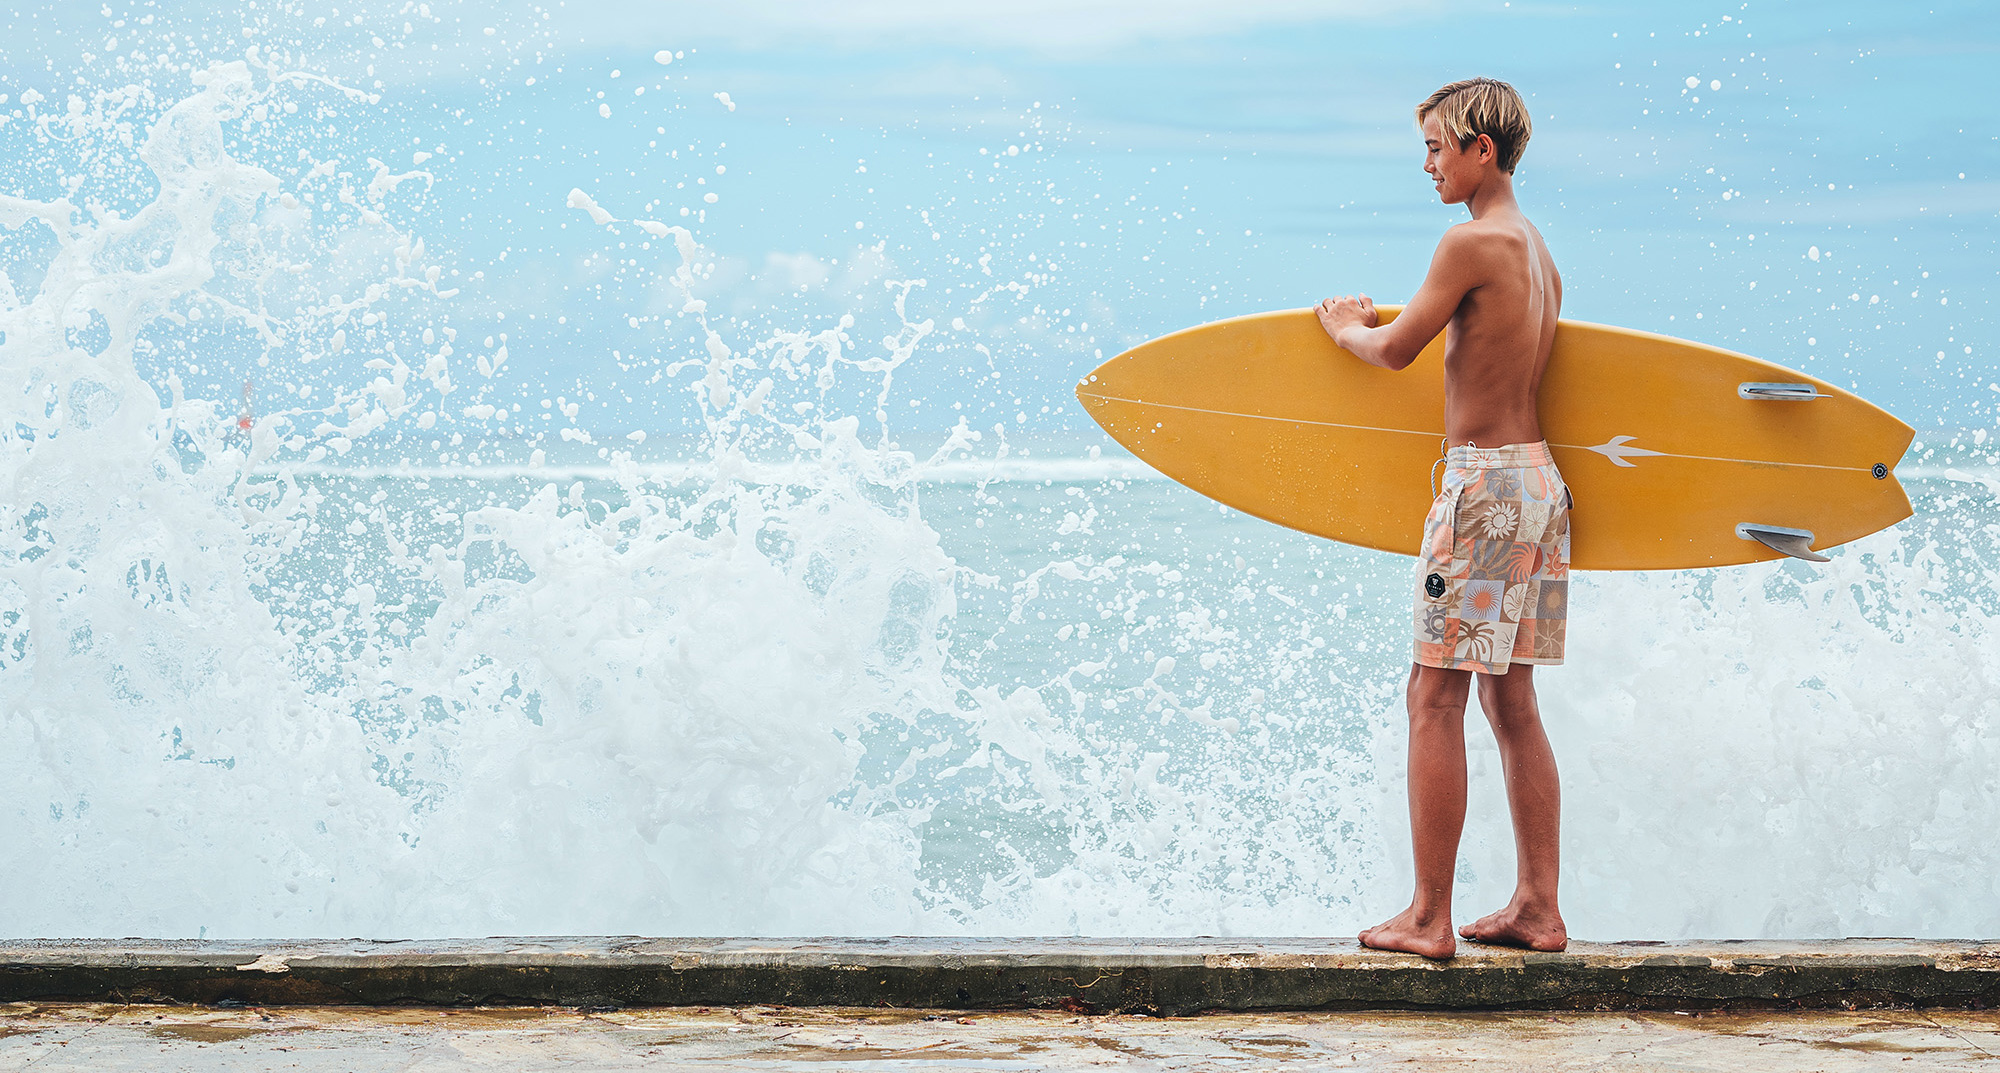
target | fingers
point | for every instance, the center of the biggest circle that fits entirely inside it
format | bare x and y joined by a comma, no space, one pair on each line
1361,302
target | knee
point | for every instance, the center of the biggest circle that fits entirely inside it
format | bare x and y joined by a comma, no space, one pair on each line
1435,710
1437,707
1510,713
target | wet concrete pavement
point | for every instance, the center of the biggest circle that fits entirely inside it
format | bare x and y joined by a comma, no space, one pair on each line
158,1039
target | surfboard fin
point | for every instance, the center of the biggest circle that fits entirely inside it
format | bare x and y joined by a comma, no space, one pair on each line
1782,392
1796,543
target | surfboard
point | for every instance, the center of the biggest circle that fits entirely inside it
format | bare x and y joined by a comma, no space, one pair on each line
1678,454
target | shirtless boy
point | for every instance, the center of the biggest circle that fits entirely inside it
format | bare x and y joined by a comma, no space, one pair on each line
1493,580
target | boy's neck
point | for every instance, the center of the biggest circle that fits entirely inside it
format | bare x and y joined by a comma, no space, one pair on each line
1496,194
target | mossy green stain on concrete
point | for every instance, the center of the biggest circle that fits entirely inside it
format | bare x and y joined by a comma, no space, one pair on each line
1169,976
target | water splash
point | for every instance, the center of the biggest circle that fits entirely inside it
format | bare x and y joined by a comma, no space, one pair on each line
337,676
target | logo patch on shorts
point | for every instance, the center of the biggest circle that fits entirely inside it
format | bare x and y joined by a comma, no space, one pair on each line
1434,586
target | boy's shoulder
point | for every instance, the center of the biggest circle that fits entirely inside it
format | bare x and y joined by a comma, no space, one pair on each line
1511,228
1490,237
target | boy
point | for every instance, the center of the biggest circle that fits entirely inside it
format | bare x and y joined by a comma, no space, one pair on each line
1493,579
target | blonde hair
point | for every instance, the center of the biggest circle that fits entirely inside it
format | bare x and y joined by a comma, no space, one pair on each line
1482,106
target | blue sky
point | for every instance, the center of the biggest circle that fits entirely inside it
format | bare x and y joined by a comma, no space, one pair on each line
1170,163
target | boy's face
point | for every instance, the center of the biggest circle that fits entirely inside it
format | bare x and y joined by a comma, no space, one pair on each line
1454,172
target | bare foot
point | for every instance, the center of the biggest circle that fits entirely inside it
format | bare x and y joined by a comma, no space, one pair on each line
1407,933
1518,925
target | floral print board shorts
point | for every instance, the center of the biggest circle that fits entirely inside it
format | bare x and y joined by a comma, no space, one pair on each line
1493,579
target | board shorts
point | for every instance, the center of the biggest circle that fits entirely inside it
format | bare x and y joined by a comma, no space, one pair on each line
1493,578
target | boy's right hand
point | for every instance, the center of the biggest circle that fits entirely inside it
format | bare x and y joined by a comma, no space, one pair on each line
1346,311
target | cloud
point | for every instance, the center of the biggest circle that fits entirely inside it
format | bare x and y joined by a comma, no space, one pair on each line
853,278
1061,26
1882,202
796,271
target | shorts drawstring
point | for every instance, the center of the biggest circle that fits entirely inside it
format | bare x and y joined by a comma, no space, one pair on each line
1444,455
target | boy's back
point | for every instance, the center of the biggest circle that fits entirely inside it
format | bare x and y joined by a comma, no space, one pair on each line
1496,344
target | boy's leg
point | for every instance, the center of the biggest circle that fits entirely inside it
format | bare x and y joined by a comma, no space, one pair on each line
1534,798
1437,812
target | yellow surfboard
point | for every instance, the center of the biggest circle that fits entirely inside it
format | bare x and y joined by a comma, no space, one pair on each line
1678,454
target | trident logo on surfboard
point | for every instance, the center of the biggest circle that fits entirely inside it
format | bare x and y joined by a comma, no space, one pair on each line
1615,450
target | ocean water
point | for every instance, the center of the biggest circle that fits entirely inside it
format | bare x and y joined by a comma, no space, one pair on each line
451,492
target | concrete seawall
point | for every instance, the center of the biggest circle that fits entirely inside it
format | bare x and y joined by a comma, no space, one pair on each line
1162,976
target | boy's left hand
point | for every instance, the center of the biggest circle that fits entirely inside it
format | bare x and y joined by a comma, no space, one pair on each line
1336,314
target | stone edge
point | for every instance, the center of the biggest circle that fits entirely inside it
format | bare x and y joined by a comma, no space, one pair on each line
1158,976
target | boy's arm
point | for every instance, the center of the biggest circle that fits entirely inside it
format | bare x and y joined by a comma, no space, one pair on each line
1454,272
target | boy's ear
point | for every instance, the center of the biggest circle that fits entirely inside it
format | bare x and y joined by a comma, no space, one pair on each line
1485,148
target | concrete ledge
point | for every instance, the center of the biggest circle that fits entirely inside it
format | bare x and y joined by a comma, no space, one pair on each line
1162,976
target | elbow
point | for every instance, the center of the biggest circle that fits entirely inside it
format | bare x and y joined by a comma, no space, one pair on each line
1396,360
1392,353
